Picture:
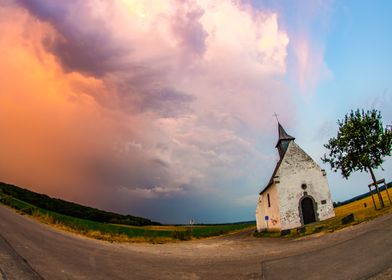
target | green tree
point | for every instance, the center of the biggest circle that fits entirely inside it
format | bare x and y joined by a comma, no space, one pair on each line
360,145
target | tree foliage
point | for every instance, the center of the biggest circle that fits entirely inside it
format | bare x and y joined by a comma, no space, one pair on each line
360,145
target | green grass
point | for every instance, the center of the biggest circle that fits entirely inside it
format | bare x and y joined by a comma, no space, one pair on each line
160,234
72,209
207,231
81,224
115,232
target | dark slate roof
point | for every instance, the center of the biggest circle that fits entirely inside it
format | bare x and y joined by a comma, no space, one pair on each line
273,175
283,135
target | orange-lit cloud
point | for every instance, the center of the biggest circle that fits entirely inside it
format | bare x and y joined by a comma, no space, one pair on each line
46,119
123,104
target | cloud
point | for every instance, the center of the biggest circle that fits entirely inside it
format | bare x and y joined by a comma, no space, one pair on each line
307,23
310,65
381,102
119,104
246,200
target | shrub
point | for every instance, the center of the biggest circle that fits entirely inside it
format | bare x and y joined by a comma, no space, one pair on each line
182,234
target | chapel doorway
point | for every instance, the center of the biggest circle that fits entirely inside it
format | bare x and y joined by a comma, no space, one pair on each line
307,208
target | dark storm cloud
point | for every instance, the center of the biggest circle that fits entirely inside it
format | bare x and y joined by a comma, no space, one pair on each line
88,49
133,171
190,31
85,44
167,102
144,106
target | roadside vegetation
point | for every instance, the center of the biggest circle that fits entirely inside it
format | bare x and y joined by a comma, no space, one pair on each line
72,209
362,210
114,232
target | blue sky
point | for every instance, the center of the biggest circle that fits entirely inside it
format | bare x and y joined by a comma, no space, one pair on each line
164,109
355,36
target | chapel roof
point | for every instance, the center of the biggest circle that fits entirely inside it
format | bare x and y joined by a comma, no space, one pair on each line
283,136
271,180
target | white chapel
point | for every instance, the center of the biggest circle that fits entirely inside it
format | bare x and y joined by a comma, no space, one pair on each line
297,193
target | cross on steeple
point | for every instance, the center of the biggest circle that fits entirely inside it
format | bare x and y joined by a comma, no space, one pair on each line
276,116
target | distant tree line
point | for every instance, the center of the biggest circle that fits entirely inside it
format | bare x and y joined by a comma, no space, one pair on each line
72,209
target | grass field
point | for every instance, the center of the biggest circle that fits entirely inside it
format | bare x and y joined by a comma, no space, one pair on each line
121,233
361,214
161,234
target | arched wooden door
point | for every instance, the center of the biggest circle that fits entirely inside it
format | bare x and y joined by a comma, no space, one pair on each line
307,208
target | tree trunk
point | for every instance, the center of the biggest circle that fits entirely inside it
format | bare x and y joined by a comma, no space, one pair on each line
376,186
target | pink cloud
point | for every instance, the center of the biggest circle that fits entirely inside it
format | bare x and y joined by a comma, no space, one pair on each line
163,99
310,65
308,29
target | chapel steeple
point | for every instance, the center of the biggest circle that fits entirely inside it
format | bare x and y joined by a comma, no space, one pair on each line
284,140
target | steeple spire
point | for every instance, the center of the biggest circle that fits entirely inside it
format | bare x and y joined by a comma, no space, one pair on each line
283,141
283,134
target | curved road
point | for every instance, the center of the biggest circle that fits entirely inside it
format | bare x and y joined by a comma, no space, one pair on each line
30,250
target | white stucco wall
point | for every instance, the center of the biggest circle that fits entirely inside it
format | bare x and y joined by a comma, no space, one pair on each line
272,212
296,169
260,213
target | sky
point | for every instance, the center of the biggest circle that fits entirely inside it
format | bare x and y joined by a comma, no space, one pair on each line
164,109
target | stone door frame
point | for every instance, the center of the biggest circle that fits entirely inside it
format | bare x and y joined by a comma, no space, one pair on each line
315,208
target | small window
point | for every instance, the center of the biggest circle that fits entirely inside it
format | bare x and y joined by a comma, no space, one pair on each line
323,201
269,202
304,186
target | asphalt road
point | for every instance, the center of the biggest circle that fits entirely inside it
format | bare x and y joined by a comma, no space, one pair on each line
30,250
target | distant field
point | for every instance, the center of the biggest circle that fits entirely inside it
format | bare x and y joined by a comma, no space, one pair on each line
116,232
364,213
